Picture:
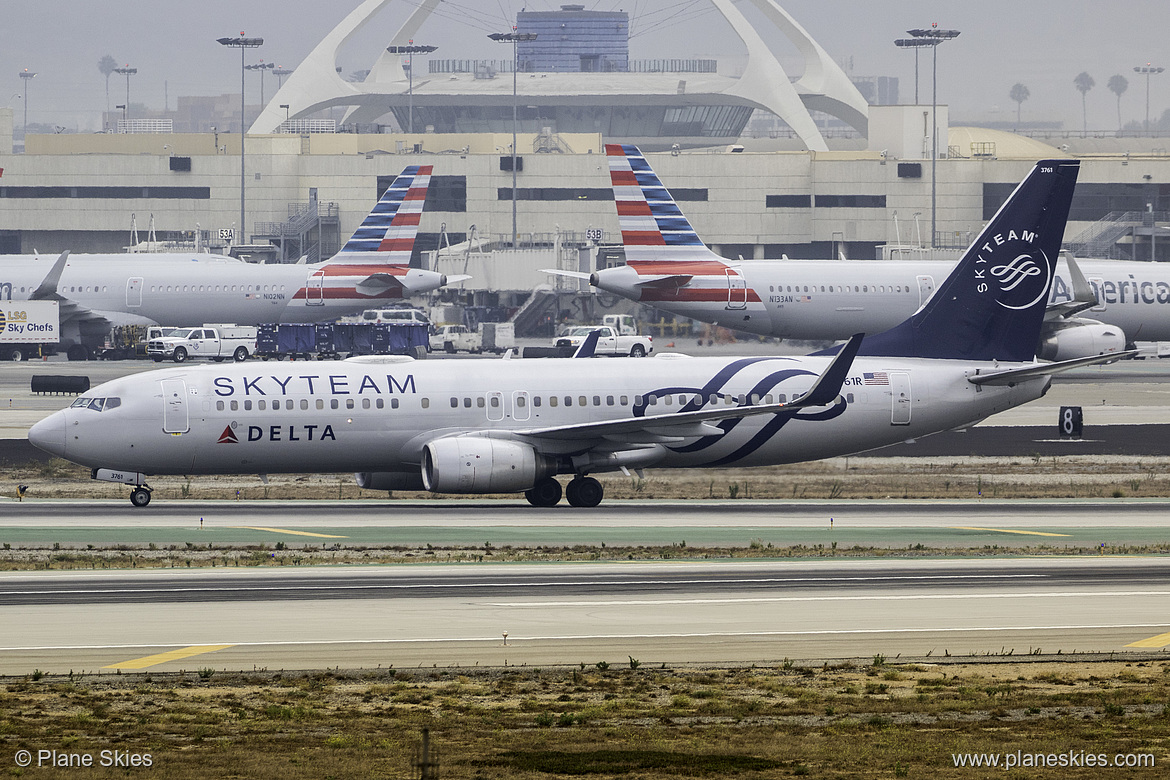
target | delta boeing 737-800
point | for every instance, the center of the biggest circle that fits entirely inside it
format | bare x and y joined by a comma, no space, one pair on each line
97,292
500,426
1095,306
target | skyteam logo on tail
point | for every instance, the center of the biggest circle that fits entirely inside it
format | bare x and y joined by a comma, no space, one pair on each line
1014,269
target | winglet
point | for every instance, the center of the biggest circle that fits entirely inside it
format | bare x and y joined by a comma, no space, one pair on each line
589,346
828,385
48,286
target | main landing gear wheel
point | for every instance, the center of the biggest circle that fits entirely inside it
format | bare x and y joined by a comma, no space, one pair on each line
546,492
584,491
140,496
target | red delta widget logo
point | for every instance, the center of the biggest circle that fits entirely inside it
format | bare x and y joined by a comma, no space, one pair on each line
280,433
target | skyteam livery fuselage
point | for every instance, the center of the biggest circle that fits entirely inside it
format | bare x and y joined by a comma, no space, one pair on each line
100,291
669,267
515,425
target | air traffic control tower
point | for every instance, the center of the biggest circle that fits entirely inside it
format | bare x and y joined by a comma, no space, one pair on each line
573,40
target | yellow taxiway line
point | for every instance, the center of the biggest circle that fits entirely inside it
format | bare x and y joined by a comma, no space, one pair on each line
1006,531
288,531
1161,640
170,655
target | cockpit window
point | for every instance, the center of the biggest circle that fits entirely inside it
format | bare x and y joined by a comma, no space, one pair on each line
97,404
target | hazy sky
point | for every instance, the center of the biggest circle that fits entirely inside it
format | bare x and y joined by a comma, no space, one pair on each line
1043,44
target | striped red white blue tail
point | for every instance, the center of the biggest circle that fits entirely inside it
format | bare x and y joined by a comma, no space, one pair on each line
387,235
653,226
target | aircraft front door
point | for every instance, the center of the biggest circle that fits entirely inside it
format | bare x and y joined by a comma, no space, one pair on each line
134,291
315,289
174,392
925,289
736,290
900,403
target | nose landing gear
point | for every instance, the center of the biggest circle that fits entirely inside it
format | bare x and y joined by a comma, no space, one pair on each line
140,496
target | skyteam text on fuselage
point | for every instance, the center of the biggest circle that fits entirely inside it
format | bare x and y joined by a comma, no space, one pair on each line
499,426
668,267
97,292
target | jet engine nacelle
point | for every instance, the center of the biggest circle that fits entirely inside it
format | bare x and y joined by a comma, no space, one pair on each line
475,464
1081,338
389,480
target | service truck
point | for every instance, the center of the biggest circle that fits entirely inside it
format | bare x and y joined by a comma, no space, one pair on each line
216,342
491,337
609,341
29,329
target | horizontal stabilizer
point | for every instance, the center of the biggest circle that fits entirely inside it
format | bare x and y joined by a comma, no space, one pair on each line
1015,375
675,280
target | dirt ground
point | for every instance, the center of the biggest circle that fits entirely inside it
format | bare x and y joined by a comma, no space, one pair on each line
836,478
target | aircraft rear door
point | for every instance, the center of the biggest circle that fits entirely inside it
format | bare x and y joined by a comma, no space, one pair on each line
736,290
134,291
900,403
315,289
925,289
1098,285
174,392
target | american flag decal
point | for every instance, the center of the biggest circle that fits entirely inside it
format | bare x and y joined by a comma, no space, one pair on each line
875,378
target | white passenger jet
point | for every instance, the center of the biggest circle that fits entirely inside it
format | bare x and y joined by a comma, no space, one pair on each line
668,267
501,426
97,291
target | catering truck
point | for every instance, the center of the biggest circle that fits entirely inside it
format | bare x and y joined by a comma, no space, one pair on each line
29,329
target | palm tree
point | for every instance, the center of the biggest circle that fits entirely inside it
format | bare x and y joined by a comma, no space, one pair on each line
1084,83
1117,85
106,65
1019,94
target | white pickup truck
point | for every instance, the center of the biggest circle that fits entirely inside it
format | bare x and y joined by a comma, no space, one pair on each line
609,342
217,342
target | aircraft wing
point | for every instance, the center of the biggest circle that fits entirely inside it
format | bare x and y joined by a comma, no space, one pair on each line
664,280
650,428
1013,375
68,310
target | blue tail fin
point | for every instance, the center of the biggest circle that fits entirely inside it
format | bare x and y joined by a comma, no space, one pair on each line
992,305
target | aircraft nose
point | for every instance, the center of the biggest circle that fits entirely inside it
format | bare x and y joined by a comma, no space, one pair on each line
49,434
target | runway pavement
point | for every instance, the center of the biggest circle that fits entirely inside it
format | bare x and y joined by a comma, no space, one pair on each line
668,612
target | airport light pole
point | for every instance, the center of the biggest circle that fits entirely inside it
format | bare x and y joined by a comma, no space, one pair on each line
916,44
28,76
261,66
934,33
243,44
514,38
412,49
126,71
280,73
1149,71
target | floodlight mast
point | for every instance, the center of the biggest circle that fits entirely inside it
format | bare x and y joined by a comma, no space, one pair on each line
937,36
412,49
242,43
513,38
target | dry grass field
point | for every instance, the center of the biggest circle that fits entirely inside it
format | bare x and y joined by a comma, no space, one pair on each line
867,719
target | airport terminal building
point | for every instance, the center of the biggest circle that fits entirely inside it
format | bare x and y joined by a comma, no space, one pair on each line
752,200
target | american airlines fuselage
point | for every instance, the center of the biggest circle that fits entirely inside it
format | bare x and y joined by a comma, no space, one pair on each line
174,289
830,299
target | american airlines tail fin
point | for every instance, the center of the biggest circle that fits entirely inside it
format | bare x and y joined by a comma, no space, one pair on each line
992,305
386,236
653,226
